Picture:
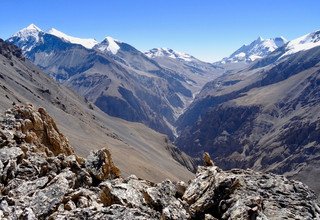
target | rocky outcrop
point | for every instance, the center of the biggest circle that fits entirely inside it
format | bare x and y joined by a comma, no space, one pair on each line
42,178
245,194
100,165
9,50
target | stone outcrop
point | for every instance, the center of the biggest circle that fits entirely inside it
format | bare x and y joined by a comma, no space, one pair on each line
42,178
9,50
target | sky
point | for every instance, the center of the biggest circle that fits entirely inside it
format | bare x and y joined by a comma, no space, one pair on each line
206,29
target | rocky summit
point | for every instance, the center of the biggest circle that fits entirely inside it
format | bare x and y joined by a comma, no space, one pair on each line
42,178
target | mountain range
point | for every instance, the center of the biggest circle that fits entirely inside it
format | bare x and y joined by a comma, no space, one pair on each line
136,148
255,109
116,77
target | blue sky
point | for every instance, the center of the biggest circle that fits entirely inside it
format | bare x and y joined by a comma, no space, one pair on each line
207,29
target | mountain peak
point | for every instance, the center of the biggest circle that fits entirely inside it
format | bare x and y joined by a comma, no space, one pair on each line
304,42
259,39
27,33
109,44
110,39
167,52
33,27
281,38
257,49
88,43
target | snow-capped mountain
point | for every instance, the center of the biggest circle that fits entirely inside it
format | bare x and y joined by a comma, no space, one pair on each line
87,43
31,35
118,78
31,30
166,52
108,45
304,42
28,37
258,49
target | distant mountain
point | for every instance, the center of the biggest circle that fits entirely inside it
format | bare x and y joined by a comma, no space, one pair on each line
121,80
194,71
305,42
299,44
258,49
165,52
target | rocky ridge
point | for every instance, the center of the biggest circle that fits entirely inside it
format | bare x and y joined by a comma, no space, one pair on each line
42,178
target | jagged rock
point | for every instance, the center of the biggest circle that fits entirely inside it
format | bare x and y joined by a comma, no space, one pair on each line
46,200
100,165
129,192
111,212
43,179
245,194
162,198
180,188
28,214
207,160
38,128
10,153
19,188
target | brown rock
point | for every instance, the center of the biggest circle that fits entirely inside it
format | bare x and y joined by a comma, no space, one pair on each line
100,165
70,205
207,160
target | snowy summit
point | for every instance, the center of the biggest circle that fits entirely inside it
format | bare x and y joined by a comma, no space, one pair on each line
88,43
165,52
305,42
109,45
30,31
256,50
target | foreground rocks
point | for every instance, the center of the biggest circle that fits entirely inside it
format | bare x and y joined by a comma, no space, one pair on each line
42,178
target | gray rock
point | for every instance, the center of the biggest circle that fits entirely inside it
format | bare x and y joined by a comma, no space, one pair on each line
36,183
11,153
129,192
28,214
245,194
162,197
46,200
100,165
181,188
20,188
